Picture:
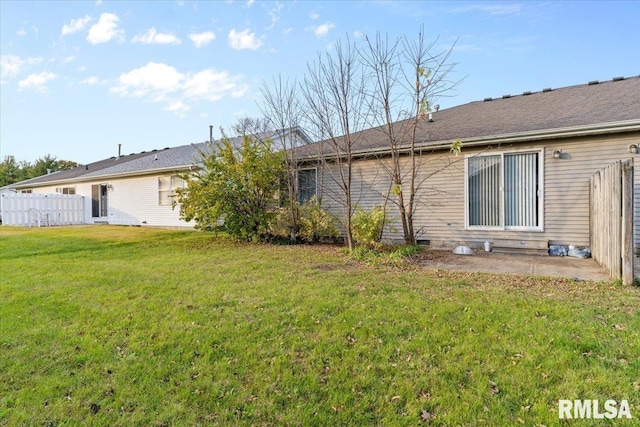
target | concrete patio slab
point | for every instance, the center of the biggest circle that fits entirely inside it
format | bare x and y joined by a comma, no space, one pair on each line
506,263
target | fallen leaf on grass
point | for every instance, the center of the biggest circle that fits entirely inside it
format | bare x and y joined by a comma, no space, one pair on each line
426,415
494,388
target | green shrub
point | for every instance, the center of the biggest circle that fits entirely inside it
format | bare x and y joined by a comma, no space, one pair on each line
234,183
398,256
281,226
408,251
367,227
315,222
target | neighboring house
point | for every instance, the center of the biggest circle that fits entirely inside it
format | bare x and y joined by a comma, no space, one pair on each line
522,178
135,189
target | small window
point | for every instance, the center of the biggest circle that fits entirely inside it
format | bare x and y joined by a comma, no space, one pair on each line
307,184
66,190
26,191
167,186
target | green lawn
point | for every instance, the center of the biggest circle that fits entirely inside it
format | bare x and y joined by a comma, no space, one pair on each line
127,326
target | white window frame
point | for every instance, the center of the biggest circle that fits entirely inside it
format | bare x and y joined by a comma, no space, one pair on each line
175,182
69,190
298,181
541,169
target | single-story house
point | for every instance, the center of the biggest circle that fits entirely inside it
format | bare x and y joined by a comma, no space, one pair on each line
522,179
135,189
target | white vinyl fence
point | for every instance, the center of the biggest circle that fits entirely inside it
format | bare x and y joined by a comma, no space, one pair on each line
39,210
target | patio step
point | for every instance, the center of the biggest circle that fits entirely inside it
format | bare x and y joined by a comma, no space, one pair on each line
531,247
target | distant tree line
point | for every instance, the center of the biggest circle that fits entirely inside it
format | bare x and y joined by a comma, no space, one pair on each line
12,171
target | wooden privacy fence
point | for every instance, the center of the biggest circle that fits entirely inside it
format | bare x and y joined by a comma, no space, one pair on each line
28,209
611,219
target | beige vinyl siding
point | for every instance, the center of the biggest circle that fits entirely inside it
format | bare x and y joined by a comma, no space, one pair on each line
440,209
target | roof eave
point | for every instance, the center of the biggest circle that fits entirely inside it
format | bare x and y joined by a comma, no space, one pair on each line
557,133
85,178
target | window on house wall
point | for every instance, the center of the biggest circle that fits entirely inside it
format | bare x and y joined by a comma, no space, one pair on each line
167,186
307,184
504,191
66,190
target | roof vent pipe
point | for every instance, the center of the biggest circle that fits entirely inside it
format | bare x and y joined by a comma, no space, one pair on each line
430,117
211,134
119,150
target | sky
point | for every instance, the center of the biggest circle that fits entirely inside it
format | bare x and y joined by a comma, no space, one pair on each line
78,78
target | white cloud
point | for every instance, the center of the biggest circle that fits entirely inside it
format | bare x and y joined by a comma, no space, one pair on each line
105,30
98,2
274,13
154,78
323,30
154,37
492,9
213,85
11,65
37,82
249,3
82,68
202,39
179,108
75,25
93,80
357,34
68,59
159,82
21,32
314,16
287,31
244,40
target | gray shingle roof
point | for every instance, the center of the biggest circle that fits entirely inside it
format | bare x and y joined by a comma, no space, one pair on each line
175,158
573,106
77,171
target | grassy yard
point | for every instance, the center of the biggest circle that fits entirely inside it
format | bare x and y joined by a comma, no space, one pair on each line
127,326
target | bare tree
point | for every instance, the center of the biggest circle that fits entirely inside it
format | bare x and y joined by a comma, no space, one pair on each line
407,79
255,126
281,109
334,94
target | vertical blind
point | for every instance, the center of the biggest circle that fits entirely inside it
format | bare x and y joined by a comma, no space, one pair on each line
519,203
484,191
521,190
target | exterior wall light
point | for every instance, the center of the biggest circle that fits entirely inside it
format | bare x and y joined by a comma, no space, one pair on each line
557,154
633,149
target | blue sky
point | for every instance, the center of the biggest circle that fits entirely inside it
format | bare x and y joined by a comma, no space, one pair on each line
79,78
